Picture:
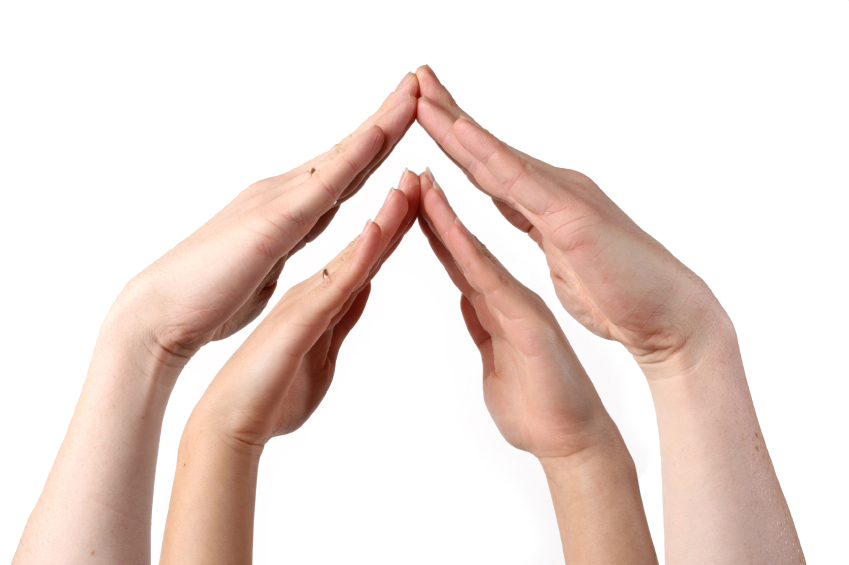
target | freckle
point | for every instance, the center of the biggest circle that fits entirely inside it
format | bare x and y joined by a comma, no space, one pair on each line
756,434
757,448
92,552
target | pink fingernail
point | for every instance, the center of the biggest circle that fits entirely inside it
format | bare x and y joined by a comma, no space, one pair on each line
388,196
404,174
367,226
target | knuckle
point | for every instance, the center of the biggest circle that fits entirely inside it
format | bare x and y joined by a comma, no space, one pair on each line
284,215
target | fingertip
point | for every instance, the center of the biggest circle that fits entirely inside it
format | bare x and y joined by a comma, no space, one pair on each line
427,78
411,187
463,123
473,137
405,178
414,87
370,240
374,137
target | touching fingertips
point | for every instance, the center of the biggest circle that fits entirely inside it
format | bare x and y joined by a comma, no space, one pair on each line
375,135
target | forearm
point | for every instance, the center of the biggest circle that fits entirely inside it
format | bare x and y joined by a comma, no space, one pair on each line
722,500
96,503
598,506
211,516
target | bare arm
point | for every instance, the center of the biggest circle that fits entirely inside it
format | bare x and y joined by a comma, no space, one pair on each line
722,500
96,503
542,400
269,387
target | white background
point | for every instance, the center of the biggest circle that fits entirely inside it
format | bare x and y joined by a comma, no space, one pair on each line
722,128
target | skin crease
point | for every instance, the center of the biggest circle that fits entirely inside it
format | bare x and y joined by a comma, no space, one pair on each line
722,499
269,387
541,399
96,503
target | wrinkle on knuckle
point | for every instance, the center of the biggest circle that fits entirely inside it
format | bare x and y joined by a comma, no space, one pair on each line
284,216
521,173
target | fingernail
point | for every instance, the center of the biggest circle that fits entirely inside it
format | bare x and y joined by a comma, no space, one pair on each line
367,226
404,80
430,175
439,191
388,196
404,174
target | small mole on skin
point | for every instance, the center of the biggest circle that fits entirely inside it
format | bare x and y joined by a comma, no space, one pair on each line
92,552
757,448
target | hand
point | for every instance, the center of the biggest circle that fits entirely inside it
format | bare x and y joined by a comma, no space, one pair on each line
609,274
277,378
221,277
535,388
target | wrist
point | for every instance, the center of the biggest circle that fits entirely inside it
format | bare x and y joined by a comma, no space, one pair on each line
600,449
131,326
204,432
706,337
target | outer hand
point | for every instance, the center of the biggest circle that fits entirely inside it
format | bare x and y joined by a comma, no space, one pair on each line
608,273
534,386
277,378
221,277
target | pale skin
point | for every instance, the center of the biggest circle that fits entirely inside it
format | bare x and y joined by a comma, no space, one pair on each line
539,396
96,503
722,500
269,387
541,399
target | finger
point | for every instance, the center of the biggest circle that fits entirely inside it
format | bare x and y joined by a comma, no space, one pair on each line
324,294
506,175
295,212
409,186
446,260
430,87
347,323
442,254
480,336
407,89
434,91
395,123
437,113
439,124
321,224
391,216
483,272
513,216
